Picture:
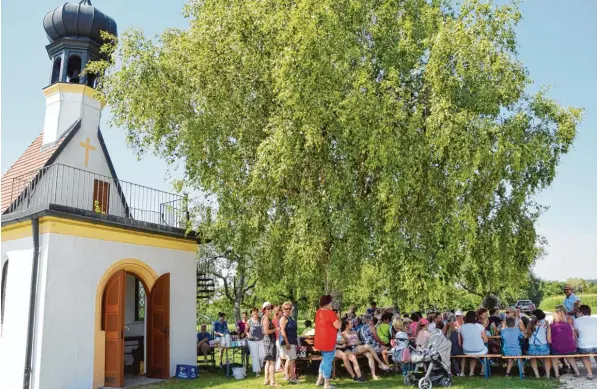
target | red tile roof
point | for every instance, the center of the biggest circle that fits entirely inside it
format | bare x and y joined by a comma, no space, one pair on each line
33,159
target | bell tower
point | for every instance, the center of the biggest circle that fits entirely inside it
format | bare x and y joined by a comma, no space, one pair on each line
74,32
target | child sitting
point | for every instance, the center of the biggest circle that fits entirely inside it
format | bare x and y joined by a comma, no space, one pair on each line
309,330
511,337
399,351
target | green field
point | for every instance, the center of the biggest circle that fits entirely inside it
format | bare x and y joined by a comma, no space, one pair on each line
550,303
212,380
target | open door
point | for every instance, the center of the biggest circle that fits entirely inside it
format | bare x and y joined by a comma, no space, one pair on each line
113,324
158,329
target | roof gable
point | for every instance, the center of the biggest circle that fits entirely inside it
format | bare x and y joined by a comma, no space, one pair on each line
35,157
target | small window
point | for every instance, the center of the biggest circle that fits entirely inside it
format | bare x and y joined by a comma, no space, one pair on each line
56,70
3,293
73,69
139,300
101,196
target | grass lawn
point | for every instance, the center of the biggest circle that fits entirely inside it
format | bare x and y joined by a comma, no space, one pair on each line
218,380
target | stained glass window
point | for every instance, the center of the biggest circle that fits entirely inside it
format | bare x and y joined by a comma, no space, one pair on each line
139,301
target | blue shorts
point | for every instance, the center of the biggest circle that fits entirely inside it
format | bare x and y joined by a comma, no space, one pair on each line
590,350
512,353
538,350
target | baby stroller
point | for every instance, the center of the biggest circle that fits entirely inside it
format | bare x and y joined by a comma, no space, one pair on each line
437,353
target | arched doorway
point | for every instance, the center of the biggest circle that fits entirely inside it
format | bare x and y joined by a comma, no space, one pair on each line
123,321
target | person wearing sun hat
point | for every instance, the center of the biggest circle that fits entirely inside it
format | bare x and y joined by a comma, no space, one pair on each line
572,301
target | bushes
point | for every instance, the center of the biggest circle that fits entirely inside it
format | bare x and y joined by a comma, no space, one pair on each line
550,303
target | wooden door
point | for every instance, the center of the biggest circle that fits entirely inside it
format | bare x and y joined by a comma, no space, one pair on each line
113,324
101,196
158,329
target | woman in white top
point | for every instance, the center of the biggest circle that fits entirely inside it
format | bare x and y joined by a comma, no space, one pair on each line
472,338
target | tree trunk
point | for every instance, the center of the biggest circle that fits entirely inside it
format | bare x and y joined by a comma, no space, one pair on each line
490,301
238,296
337,299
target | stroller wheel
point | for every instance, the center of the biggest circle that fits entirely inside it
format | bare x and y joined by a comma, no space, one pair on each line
425,383
446,382
410,379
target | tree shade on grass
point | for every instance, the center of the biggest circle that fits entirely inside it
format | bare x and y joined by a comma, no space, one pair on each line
218,381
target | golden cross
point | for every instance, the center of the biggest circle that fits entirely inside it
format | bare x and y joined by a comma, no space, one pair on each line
87,147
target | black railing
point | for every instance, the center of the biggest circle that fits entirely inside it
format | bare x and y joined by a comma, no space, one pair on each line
80,189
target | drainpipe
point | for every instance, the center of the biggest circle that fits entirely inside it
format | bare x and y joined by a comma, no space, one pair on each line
32,301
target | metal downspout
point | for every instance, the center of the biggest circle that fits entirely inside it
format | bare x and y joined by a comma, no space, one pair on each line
32,303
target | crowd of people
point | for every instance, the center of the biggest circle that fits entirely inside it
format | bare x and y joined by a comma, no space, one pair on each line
385,337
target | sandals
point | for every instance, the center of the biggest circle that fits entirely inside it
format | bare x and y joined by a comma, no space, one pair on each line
384,367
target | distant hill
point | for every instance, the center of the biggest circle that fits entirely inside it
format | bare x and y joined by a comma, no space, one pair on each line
592,281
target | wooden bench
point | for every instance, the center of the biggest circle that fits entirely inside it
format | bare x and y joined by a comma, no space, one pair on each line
311,358
483,358
521,359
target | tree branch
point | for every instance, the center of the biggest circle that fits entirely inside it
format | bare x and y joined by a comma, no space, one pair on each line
250,286
226,288
471,291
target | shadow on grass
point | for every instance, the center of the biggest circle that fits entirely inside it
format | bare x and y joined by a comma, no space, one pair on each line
217,379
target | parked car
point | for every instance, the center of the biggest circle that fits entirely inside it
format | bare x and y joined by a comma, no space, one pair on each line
525,306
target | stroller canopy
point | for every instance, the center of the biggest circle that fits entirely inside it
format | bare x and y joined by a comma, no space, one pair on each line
438,342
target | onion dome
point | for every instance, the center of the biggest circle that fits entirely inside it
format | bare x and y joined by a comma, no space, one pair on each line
78,20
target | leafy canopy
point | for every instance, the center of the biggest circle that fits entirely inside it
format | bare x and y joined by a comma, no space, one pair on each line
395,133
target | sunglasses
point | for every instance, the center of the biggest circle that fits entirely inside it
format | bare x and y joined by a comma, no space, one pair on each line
268,308
288,309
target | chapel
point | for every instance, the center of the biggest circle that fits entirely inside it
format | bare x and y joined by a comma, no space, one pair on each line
98,275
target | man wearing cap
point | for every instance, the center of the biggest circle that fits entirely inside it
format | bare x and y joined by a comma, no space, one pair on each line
571,302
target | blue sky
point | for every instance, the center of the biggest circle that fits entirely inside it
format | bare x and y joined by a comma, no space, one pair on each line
556,43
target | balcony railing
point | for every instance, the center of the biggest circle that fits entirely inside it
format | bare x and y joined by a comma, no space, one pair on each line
83,190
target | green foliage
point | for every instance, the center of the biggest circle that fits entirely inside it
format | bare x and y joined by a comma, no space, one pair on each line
582,286
551,288
340,136
208,310
550,303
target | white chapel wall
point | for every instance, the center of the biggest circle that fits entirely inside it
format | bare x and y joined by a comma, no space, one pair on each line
75,266
81,196
21,250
